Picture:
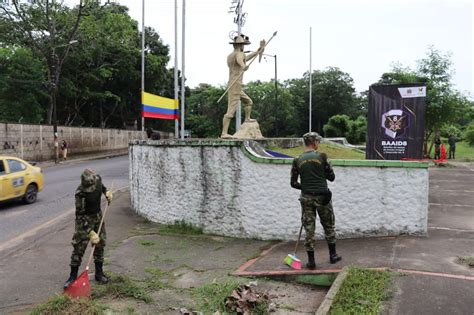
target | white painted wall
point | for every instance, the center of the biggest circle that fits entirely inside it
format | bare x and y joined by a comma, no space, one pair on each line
226,193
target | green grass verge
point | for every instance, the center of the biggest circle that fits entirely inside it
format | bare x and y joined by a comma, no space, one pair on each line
63,304
463,151
121,286
333,152
158,279
180,227
211,297
362,292
145,243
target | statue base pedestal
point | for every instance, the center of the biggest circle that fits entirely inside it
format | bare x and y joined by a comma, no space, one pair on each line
249,130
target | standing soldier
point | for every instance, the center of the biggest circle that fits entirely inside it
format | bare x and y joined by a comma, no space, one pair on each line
437,143
88,217
236,63
314,169
452,146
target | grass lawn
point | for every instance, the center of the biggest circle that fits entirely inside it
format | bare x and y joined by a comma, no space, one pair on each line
333,151
362,292
463,151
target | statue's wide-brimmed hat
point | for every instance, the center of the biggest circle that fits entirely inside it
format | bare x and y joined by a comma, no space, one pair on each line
241,39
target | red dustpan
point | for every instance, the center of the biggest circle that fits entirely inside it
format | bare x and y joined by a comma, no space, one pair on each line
81,287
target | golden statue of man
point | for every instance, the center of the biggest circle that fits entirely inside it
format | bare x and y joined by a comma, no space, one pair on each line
237,65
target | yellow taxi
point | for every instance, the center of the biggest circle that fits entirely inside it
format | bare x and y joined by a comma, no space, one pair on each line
19,179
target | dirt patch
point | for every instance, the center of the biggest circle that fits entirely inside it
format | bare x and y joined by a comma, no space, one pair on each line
292,298
466,261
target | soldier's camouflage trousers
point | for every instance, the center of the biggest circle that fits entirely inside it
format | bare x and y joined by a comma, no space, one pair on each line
309,206
80,239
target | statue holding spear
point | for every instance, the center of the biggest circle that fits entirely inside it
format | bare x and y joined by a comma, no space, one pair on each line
237,63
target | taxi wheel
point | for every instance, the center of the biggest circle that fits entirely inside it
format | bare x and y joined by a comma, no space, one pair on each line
31,194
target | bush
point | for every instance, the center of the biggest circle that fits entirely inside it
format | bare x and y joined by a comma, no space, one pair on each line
357,130
342,126
337,126
469,134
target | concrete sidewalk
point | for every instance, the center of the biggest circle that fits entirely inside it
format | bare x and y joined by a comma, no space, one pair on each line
36,270
83,157
435,283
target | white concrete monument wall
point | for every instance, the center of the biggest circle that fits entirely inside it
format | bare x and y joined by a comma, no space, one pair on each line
225,189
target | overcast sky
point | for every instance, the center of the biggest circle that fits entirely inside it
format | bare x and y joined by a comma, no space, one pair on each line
361,37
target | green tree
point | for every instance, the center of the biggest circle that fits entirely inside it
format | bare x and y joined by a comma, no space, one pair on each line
48,28
333,93
274,114
21,85
203,114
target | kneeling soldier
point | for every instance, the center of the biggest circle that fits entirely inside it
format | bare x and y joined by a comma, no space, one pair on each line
88,217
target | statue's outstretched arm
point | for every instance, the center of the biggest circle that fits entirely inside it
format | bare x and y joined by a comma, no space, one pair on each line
255,53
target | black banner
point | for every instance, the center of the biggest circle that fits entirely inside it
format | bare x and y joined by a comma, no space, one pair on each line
396,121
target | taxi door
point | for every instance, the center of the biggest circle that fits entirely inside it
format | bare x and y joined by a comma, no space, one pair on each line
5,187
14,181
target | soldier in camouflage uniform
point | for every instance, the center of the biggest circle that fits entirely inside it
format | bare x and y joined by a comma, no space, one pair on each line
88,217
314,169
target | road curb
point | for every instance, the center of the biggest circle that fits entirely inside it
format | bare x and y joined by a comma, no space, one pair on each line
49,164
324,308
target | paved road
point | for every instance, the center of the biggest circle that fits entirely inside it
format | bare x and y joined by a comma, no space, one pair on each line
57,198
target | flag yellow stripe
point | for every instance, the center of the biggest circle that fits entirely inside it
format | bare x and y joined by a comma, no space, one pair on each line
158,101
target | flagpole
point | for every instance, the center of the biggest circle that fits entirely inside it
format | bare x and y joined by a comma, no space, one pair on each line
143,64
238,114
182,68
176,93
310,79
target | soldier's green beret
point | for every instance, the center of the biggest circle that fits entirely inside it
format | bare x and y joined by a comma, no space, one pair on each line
312,135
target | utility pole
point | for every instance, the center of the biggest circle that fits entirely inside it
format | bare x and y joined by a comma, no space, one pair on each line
310,78
143,63
176,93
183,89
239,19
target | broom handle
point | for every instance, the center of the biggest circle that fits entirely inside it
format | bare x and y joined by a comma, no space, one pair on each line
299,236
98,232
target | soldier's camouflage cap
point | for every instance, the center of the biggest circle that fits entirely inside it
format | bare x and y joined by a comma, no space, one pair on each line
88,178
312,135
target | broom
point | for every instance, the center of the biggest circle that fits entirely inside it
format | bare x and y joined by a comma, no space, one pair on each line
291,259
81,287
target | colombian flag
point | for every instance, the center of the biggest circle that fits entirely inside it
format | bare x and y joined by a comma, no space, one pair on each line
154,106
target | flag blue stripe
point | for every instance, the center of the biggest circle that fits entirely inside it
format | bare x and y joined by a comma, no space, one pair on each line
151,109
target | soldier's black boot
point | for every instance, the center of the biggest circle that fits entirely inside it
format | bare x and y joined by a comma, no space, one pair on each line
333,257
99,274
311,264
72,276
